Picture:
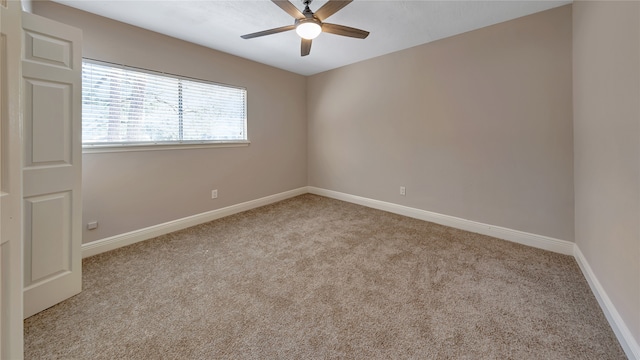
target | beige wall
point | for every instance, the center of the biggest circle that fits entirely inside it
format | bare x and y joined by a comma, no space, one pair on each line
131,190
482,126
606,40
477,126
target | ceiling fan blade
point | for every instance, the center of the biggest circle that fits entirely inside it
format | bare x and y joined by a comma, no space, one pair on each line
330,8
344,31
305,47
269,32
289,8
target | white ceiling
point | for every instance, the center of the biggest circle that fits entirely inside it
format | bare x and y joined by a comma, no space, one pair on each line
394,25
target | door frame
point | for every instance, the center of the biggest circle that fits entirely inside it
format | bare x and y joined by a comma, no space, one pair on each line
11,144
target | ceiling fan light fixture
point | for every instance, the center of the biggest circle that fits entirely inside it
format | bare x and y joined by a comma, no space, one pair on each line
308,28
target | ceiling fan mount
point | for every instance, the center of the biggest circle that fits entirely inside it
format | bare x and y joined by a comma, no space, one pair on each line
309,25
307,12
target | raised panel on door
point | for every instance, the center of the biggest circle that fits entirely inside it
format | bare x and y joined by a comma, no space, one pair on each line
51,71
47,240
47,123
47,110
47,49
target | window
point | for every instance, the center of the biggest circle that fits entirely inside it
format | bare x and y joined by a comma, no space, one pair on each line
127,106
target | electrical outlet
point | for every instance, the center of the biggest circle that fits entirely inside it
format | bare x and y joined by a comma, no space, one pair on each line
92,225
403,191
214,194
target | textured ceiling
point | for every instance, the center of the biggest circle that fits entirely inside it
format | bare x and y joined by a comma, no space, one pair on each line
394,25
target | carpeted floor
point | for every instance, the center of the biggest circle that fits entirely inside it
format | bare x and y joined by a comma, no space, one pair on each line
316,278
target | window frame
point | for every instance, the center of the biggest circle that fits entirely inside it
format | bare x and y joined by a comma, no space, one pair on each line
167,145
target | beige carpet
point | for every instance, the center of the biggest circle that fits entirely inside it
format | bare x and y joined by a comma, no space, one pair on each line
316,278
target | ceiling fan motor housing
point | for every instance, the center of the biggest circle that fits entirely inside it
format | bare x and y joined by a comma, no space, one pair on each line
307,20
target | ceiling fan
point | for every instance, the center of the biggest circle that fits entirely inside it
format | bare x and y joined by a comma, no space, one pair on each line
309,25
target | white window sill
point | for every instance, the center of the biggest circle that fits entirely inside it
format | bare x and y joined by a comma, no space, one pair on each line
89,149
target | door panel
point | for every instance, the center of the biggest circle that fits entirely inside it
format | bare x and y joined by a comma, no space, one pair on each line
51,71
47,241
48,50
47,121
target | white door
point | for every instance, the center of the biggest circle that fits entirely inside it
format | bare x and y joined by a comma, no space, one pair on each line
10,182
52,74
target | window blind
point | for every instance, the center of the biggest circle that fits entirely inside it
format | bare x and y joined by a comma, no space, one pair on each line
122,105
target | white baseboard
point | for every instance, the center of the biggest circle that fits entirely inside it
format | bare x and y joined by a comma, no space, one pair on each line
114,242
618,325
626,339
616,322
537,241
520,237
